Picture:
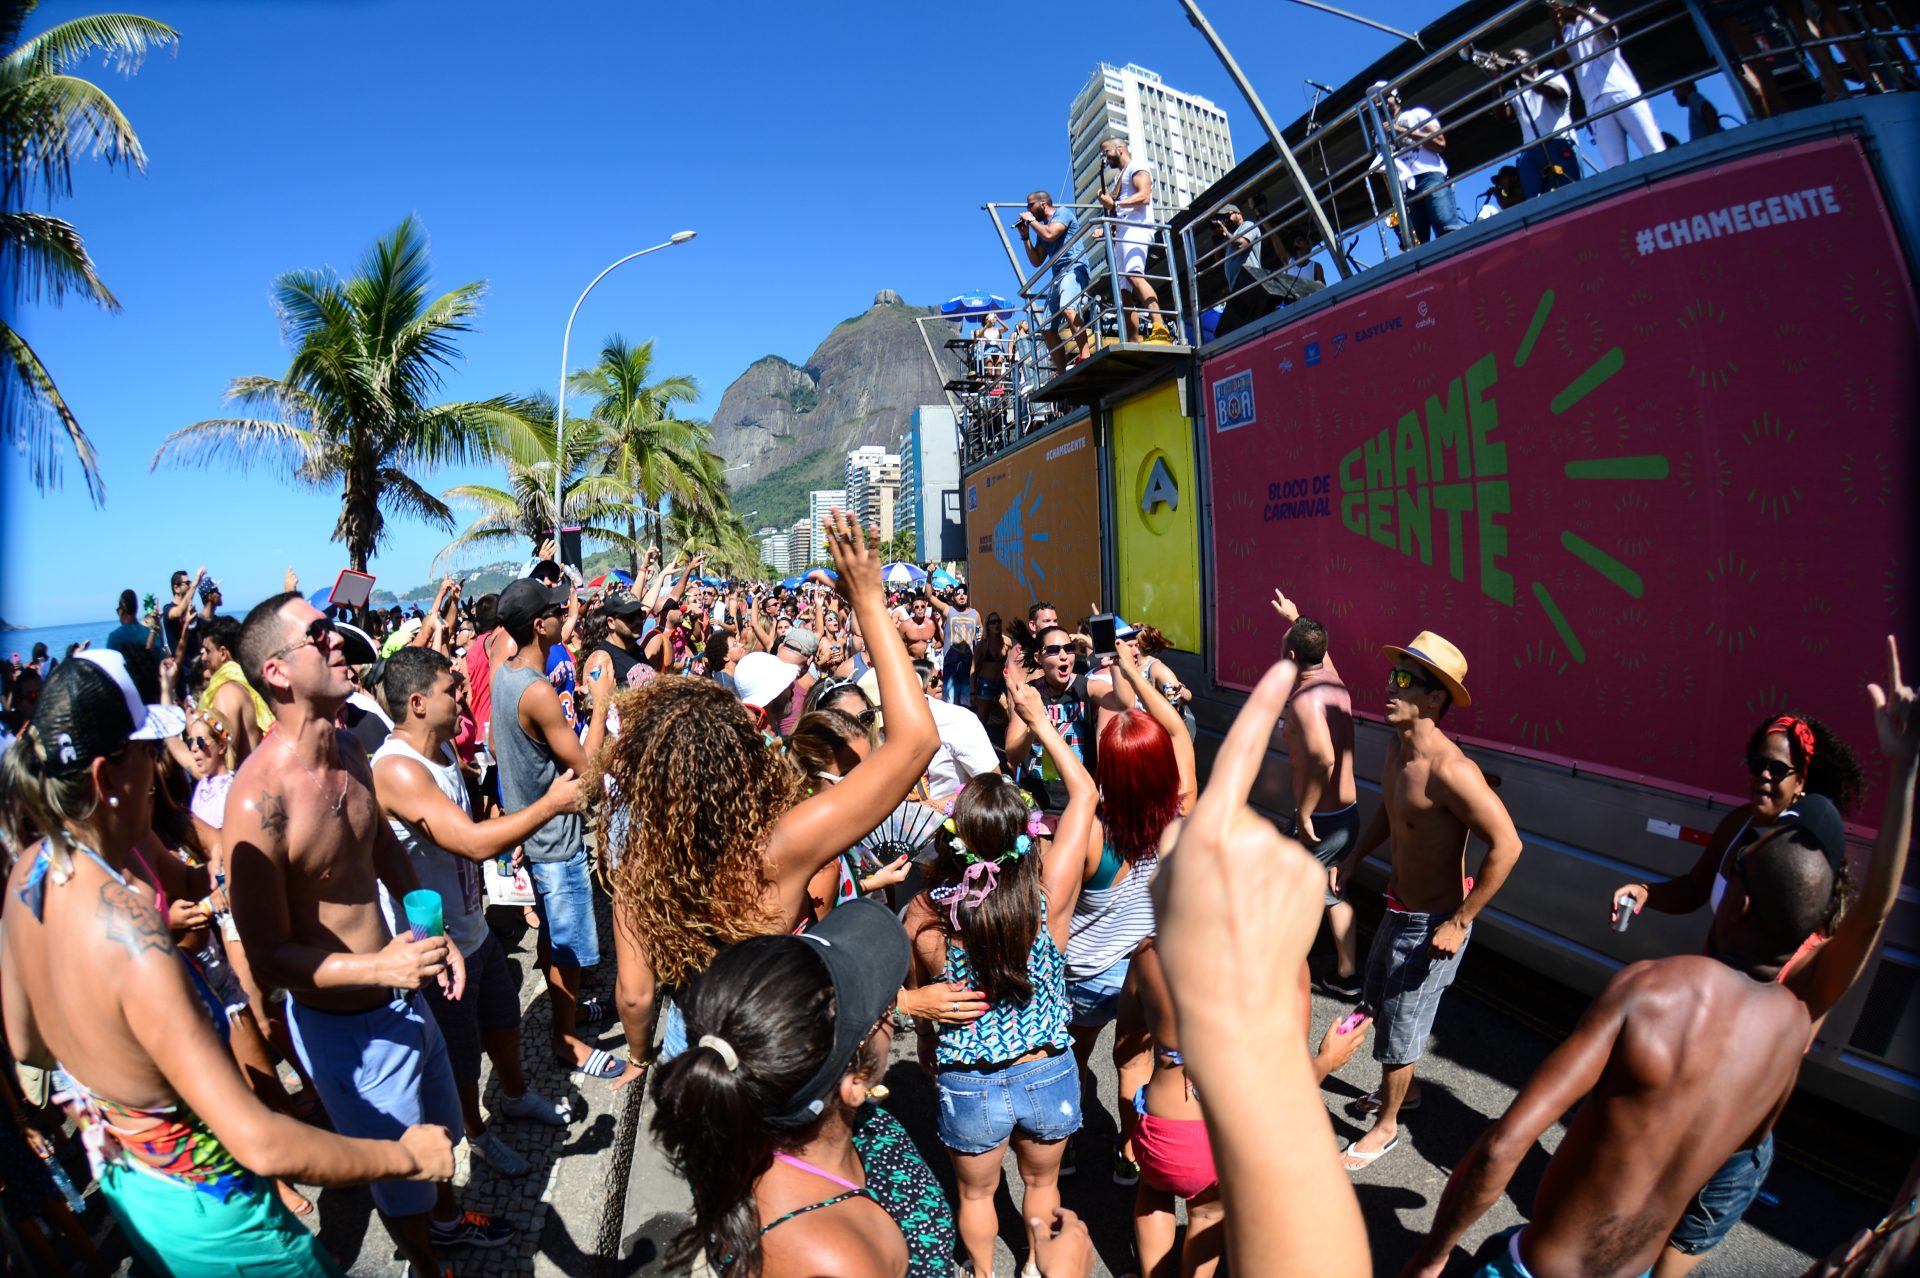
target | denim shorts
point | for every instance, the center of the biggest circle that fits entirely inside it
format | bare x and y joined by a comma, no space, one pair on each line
1722,1201
1404,983
981,1108
1096,999
563,893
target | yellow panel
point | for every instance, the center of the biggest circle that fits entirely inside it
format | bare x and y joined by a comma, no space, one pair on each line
1156,515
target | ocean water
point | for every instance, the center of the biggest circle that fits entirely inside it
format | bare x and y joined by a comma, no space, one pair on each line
55,637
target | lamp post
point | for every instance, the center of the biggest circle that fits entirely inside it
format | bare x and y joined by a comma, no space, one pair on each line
560,407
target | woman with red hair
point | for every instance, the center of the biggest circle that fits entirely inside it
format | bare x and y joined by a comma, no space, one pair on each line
1144,769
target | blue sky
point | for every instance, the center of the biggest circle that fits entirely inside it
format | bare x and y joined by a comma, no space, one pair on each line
822,152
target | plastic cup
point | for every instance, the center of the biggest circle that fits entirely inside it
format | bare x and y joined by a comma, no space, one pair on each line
425,914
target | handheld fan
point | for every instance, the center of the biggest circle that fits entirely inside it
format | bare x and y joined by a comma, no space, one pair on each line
903,832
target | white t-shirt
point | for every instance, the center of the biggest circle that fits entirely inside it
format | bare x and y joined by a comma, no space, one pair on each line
209,801
1606,79
1539,115
1141,213
965,750
455,878
1408,165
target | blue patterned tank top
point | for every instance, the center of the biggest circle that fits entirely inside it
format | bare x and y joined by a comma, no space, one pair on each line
1009,1031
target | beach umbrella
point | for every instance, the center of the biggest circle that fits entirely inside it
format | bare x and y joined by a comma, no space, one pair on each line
902,575
942,580
322,598
793,583
975,305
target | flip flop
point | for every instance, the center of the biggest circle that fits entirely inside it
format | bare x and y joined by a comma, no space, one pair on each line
591,1011
1348,1151
1369,1105
601,1064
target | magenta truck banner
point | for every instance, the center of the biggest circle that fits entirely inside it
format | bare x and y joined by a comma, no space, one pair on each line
1648,465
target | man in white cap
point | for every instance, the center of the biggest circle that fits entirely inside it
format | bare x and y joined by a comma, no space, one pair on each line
1432,798
766,685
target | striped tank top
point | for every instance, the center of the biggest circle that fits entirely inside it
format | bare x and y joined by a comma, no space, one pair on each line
1109,922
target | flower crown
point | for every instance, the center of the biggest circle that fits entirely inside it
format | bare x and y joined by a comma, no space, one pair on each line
982,874
1036,826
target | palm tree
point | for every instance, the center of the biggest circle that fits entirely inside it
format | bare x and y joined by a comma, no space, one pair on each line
656,454
352,410
522,513
719,534
48,119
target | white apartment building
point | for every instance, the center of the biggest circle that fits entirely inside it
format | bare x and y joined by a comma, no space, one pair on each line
800,547
873,486
773,548
822,502
1182,138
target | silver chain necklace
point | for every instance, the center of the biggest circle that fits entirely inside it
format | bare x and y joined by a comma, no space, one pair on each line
333,805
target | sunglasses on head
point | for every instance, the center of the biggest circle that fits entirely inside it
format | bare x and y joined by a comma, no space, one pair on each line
1775,770
316,634
1400,680
1055,649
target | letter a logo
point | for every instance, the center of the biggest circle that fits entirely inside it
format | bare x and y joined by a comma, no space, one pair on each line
1159,488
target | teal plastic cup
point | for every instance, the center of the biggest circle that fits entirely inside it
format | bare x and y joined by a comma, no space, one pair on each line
425,915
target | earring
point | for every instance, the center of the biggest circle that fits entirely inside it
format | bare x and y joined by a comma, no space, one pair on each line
113,800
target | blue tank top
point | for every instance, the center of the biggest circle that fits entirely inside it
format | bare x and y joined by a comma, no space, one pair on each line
1009,1031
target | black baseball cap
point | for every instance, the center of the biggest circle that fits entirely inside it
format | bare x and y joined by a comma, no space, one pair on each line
523,602
865,950
623,604
89,709
1816,817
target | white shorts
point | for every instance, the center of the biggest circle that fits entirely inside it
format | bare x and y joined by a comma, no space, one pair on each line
1131,250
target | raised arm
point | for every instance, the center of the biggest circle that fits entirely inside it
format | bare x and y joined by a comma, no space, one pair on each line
821,827
1832,972
1167,717
1066,865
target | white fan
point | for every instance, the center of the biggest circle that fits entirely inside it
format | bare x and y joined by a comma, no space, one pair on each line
906,830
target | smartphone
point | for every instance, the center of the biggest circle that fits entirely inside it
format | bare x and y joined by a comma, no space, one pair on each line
351,589
1102,627
1351,1021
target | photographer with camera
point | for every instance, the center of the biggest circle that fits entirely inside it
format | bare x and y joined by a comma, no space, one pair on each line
1590,47
1044,232
1542,103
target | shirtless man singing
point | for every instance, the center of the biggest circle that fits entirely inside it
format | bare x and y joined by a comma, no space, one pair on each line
308,851
1432,798
919,627
1318,732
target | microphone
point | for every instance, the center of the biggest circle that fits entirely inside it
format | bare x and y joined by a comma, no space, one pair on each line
1315,84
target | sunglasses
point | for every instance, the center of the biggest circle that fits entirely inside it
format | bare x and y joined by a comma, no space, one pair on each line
1400,680
1055,649
208,743
869,716
1775,770
316,634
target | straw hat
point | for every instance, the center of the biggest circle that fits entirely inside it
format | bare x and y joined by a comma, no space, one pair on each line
1438,658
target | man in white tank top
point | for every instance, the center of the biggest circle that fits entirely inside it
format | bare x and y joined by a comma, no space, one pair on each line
417,780
1130,200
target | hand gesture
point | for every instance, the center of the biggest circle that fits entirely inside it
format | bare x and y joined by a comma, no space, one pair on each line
291,581
946,1002
856,557
1026,702
431,1149
1894,720
1289,611
565,794
1238,903
1062,1247
547,549
187,916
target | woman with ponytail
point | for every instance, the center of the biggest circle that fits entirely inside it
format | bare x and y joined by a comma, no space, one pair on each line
768,1112
997,918
91,983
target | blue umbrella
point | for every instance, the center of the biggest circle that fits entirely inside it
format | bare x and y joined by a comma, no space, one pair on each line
942,580
322,598
972,305
793,583
902,574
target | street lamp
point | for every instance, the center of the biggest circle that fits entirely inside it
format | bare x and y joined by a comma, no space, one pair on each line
560,409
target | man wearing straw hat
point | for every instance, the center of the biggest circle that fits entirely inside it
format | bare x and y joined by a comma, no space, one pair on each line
1432,797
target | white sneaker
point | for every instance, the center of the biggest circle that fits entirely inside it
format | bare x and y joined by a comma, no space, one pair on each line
537,1108
497,1154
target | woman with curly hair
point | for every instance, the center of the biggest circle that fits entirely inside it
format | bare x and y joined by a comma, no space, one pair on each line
997,915
722,836
1787,756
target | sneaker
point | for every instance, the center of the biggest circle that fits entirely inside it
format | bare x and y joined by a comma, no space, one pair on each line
1159,333
533,1106
1345,988
1069,1161
473,1229
1125,1170
500,1156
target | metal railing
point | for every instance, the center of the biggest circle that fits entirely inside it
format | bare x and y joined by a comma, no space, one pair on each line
1361,157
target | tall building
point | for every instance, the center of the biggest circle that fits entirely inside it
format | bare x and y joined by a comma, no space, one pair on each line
1182,138
822,502
773,548
799,546
929,505
873,486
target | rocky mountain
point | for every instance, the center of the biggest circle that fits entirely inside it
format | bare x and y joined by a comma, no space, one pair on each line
792,424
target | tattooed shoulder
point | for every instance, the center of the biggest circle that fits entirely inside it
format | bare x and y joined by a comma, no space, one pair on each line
131,921
273,814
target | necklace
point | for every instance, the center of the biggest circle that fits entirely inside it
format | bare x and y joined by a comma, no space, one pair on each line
333,805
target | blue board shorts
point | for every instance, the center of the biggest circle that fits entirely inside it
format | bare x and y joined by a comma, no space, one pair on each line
1722,1201
563,894
378,1073
180,1231
1404,983
981,1108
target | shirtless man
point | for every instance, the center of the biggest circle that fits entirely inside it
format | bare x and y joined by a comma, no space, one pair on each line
1689,1059
308,850
1432,798
1318,732
919,627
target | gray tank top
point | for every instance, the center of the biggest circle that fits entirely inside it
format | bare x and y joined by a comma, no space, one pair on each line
527,768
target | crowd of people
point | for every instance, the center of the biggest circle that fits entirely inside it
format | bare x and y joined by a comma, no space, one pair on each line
819,816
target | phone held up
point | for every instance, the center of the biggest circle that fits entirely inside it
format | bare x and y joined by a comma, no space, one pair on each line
1102,628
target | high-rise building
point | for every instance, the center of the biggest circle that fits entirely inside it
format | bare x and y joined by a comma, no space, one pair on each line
873,486
1181,138
773,548
929,505
799,546
822,502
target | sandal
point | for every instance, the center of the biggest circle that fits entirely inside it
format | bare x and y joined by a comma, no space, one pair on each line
1367,1159
1369,1105
602,1065
591,1011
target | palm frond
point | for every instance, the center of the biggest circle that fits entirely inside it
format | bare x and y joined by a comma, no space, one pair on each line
36,416
400,491
125,38
44,257
53,120
240,442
